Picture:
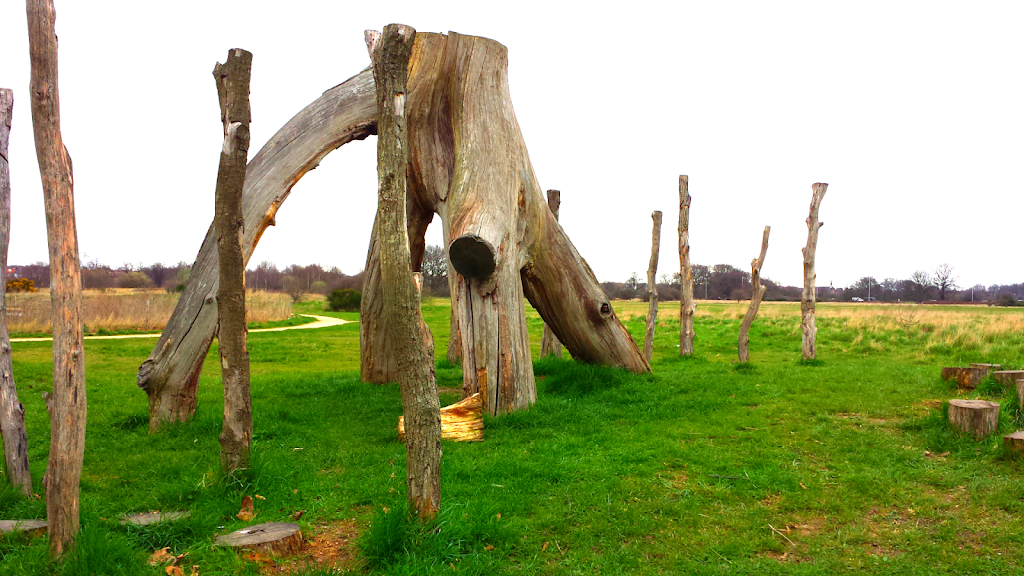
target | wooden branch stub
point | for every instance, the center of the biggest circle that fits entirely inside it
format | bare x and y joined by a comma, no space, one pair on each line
966,378
652,286
1014,442
371,37
147,518
35,527
271,538
757,294
977,417
1007,377
460,422
686,303
809,294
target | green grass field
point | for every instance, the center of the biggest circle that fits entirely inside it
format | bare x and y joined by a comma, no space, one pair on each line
701,467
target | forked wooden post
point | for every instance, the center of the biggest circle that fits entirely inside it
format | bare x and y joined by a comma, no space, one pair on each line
232,79
809,296
686,305
414,365
757,293
67,402
12,413
652,286
549,344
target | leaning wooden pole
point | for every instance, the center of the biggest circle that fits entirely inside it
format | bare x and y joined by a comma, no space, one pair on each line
809,295
686,305
409,340
652,286
12,413
757,294
232,79
67,402
549,344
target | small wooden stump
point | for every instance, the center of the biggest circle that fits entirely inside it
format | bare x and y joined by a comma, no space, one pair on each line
990,367
34,527
1015,442
460,422
147,518
967,378
1020,394
1007,377
271,538
977,417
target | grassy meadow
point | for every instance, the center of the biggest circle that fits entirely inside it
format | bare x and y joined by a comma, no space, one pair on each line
843,465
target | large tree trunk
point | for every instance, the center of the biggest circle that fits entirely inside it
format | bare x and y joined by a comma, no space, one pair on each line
652,286
67,402
233,90
757,293
686,305
549,344
407,334
171,373
12,413
809,295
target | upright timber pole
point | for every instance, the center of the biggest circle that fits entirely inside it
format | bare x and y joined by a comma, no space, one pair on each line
549,344
12,413
410,340
756,295
686,305
652,286
808,297
232,79
67,402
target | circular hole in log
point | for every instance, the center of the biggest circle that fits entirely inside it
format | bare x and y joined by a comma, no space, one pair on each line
472,256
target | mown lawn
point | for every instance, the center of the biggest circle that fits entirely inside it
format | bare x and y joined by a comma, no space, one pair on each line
701,467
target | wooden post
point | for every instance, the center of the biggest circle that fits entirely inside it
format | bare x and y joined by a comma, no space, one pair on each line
652,286
549,344
67,402
809,295
232,79
402,316
686,305
757,293
12,413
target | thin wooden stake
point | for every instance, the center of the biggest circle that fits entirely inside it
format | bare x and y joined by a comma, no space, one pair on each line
686,305
809,296
652,286
549,344
757,293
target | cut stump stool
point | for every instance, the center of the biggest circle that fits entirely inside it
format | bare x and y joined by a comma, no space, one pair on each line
34,527
989,367
147,518
1007,377
977,417
967,378
460,422
1015,442
270,538
1020,393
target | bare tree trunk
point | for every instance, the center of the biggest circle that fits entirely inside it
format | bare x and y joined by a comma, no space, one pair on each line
809,295
652,286
686,305
549,344
12,413
232,79
67,403
757,293
413,351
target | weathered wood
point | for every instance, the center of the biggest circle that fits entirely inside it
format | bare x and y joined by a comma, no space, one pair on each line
809,295
687,307
67,402
147,518
757,293
977,417
1020,394
171,373
989,367
549,344
1014,442
1007,377
232,80
966,378
405,327
652,286
270,538
36,527
12,413
460,422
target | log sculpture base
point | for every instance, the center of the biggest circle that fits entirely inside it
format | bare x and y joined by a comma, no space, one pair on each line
1007,377
271,538
966,378
34,527
1014,443
147,518
460,422
977,417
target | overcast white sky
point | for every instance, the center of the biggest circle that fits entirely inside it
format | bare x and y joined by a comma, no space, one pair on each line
913,112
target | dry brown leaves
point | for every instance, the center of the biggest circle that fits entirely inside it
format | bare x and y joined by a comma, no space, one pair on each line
248,511
162,556
333,547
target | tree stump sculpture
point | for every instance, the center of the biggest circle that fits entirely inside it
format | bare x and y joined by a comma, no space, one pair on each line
549,344
977,417
757,293
468,164
809,295
686,305
652,286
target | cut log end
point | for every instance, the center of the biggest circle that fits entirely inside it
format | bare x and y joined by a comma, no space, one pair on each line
460,422
1015,442
472,256
1007,377
977,417
271,538
34,527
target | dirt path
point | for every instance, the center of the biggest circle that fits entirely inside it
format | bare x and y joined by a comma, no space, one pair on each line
321,322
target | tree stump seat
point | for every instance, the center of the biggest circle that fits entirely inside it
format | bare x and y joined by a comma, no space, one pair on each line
30,526
985,365
977,417
147,518
966,378
1007,377
270,538
1020,393
1015,442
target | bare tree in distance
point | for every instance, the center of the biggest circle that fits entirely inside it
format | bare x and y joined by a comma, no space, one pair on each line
921,281
294,287
944,279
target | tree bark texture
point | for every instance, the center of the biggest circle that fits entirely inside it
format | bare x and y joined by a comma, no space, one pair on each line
549,344
232,79
686,304
407,333
12,413
652,286
757,293
809,294
966,378
976,417
67,403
